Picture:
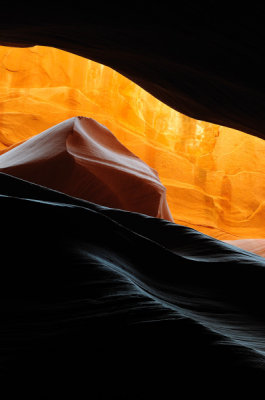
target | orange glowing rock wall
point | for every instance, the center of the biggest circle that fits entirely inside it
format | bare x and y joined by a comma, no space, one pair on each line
214,175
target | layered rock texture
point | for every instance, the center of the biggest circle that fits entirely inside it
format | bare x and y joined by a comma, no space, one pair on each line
213,174
97,298
82,158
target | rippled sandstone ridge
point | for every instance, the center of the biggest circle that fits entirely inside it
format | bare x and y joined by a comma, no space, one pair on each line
213,174
81,158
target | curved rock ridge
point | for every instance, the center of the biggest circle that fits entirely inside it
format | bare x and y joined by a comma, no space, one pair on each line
82,158
84,285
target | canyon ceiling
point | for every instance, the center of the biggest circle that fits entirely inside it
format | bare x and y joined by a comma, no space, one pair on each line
205,60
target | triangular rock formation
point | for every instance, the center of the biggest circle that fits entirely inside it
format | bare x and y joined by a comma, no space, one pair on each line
83,158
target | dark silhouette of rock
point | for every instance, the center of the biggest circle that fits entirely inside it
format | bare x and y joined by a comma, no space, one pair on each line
203,60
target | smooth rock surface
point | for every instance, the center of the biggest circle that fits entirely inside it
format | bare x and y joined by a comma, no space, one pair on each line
82,158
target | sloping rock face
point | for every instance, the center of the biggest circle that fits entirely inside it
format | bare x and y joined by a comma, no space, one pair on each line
82,158
84,286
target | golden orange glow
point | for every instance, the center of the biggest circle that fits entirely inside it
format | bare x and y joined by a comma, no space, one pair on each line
214,175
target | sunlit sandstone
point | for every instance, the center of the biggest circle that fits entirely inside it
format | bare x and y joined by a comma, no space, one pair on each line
214,175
